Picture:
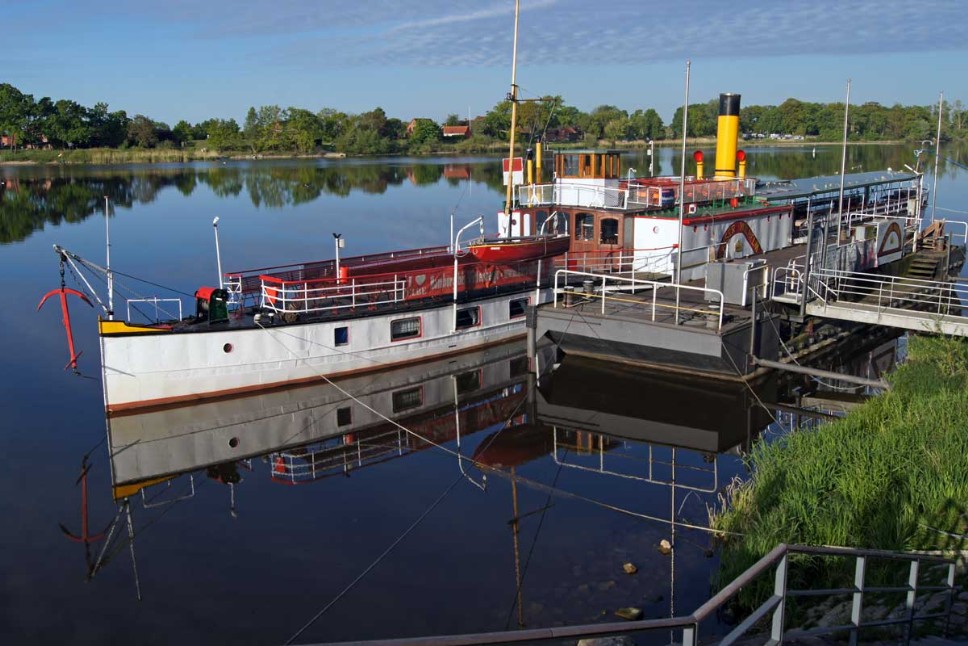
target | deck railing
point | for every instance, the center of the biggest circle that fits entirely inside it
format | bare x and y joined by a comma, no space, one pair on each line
633,194
893,292
612,289
771,615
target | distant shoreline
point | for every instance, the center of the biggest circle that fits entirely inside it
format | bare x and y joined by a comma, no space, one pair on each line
109,156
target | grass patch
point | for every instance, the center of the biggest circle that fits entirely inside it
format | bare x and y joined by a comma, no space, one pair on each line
886,476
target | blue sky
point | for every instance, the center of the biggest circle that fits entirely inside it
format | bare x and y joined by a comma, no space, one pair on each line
195,59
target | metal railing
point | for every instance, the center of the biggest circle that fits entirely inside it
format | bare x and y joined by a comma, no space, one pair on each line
600,450
158,309
329,297
892,292
636,193
611,283
772,610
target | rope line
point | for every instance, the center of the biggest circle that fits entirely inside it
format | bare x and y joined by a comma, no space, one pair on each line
376,562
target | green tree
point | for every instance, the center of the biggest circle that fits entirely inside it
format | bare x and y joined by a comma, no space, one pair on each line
303,130
141,132
425,134
182,132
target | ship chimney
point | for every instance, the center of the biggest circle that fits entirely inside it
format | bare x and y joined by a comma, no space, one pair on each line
727,136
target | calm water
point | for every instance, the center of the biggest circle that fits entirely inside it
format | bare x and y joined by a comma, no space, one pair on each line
239,553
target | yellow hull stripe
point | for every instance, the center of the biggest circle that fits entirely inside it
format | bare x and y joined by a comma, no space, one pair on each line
107,328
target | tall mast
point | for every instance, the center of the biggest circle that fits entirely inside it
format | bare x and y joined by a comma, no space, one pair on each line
513,97
843,169
107,253
682,190
937,162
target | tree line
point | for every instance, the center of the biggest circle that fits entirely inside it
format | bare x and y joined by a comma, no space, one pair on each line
39,123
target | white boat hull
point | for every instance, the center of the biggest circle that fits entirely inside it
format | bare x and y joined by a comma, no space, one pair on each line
143,367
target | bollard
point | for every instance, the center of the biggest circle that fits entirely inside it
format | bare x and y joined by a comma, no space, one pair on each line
569,296
589,286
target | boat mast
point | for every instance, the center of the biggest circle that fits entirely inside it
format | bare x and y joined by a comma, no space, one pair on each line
682,190
107,241
937,162
513,98
843,169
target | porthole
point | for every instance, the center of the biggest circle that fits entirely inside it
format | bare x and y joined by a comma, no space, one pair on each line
227,348
234,442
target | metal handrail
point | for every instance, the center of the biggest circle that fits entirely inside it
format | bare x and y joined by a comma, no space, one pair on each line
635,283
775,605
155,301
893,292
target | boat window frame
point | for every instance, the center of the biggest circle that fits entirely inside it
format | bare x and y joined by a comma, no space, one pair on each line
476,319
580,221
524,308
344,416
396,337
400,402
336,336
613,238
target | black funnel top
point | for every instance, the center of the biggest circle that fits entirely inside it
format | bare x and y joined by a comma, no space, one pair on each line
729,105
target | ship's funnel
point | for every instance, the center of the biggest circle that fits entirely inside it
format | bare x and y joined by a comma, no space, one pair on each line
727,136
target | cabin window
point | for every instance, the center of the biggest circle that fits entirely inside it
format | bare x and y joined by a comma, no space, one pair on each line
584,226
540,217
468,317
344,416
341,336
517,307
407,399
468,382
587,165
569,166
405,328
609,228
519,366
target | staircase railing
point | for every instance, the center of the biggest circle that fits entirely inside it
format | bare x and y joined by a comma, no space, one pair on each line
773,609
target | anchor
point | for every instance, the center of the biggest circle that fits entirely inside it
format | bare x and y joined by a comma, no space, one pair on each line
85,537
63,292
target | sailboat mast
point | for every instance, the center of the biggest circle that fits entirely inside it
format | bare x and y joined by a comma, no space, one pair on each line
513,96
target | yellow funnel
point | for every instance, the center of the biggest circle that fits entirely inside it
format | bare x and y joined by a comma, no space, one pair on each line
727,136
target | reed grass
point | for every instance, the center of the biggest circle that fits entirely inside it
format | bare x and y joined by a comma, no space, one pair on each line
889,475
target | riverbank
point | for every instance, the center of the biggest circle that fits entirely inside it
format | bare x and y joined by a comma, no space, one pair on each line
105,156
893,474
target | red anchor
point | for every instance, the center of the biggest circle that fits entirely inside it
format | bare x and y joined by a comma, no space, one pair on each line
64,291
86,538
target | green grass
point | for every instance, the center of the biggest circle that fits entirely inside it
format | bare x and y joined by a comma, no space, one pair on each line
879,478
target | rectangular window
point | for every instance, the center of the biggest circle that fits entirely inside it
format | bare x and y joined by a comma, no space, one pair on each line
584,226
405,328
609,227
344,416
468,317
519,366
407,399
468,382
517,307
341,336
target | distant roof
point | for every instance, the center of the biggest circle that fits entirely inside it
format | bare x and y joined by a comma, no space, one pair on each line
795,188
450,131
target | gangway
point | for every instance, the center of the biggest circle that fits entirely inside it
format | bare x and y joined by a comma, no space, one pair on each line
932,306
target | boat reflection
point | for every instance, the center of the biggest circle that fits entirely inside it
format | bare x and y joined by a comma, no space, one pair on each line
311,433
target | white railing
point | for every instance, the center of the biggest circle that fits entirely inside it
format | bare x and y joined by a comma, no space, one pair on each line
636,195
892,292
956,236
913,575
610,283
158,309
305,298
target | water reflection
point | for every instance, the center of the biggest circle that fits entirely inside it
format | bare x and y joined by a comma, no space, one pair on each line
31,197
585,441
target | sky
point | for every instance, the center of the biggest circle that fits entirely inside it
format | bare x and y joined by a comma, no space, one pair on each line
197,59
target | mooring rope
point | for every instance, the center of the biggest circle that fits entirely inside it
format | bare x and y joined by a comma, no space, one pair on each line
375,562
